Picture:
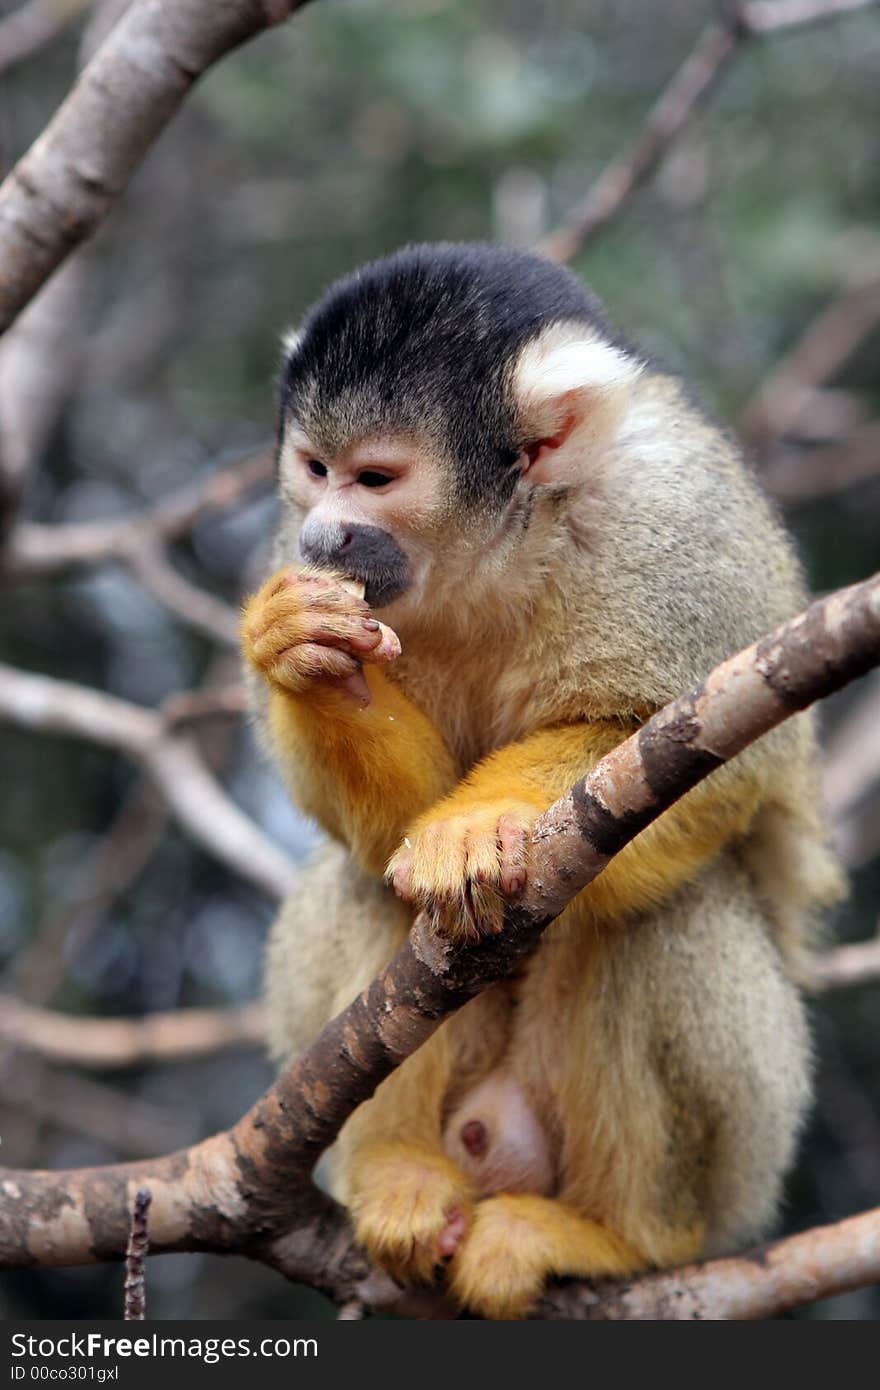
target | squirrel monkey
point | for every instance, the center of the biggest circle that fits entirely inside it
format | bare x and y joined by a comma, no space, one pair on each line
507,538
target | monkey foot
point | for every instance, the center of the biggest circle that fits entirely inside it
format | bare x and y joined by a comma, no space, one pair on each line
410,1208
517,1241
461,867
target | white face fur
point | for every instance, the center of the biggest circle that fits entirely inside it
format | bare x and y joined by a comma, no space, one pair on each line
571,393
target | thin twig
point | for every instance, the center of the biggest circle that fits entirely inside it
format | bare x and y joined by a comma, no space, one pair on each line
138,541
823,347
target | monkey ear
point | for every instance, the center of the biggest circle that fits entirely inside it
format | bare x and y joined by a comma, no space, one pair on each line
571,397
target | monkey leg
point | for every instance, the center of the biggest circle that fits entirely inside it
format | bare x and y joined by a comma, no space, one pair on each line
673,1065
409,1203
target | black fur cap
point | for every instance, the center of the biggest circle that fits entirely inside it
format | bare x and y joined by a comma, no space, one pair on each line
423,341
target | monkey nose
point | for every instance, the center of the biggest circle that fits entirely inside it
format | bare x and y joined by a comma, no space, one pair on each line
324,544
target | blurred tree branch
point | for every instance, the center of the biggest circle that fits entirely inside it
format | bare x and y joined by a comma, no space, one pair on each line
140,540
41,356
65,185
827,342
248,1189
178,1035
42,550
202,807
849,965
690,85
33,25
112,1043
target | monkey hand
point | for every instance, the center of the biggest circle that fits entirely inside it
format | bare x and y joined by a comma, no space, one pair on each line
461,866
410,1207
306,630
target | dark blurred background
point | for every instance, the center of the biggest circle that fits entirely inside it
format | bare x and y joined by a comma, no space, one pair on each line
361,125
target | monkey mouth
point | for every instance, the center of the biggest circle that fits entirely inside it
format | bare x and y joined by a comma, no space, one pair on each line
382,589
368,554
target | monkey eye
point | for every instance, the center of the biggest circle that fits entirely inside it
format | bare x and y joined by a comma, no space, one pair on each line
316,468
370,478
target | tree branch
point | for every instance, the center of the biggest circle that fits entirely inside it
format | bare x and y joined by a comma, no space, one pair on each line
33,25
171,759
759,1284
111,1043
139,541
65,185
248,1189
849,965
689,87
821,350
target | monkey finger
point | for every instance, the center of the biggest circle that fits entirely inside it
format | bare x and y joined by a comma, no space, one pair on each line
400,873
301,665
388,647
356,686
317,590
512,845
364,635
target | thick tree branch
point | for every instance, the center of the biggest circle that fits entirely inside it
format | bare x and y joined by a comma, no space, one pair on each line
171,759
689,87
248,1189
65,185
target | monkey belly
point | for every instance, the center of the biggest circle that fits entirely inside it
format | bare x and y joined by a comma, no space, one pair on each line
495,1137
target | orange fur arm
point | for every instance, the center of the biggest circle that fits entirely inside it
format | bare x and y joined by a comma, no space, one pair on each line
458,838
364,774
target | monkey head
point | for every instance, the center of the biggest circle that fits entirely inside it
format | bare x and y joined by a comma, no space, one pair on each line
431,403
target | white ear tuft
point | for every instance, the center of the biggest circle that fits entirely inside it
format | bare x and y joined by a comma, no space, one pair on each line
550,374
571,393
290,341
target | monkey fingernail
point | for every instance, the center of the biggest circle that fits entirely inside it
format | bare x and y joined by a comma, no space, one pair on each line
371,624
367,641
